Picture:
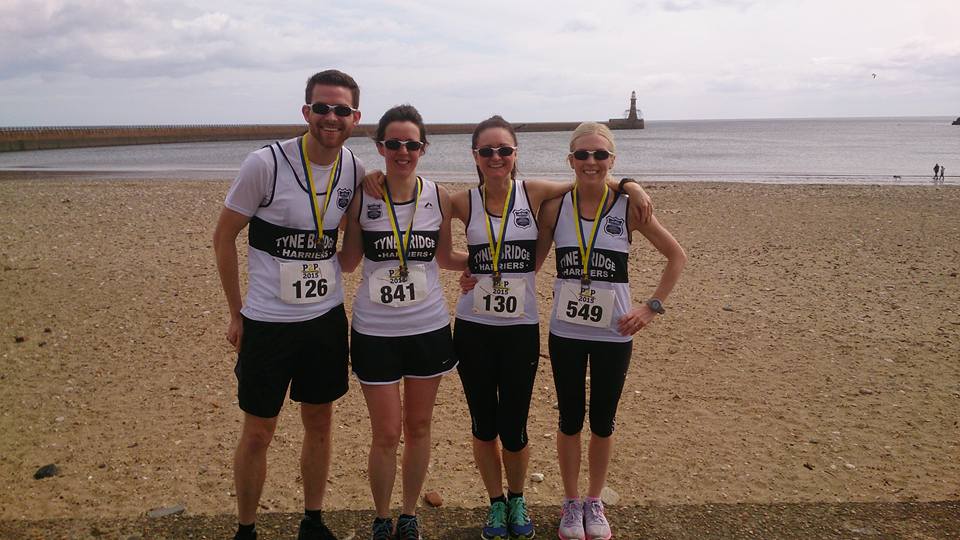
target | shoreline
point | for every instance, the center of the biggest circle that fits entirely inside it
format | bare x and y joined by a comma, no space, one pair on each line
831,377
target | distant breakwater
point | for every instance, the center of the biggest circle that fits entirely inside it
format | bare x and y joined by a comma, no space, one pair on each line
14,139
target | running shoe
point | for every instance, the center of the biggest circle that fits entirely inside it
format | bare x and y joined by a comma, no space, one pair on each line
496,527
571,520
596,525
408,528
521,527
382,529
314,530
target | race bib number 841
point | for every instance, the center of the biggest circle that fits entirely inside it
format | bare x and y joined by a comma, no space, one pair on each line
389,288
588,307
306,282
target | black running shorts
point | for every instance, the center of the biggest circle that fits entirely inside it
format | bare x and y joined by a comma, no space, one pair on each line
387,359
310,357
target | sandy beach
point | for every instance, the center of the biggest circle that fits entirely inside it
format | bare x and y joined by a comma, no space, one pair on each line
809,354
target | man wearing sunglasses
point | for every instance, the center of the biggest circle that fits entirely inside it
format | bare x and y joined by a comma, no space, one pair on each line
291,329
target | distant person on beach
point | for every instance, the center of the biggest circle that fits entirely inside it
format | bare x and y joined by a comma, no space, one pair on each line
401,323
497,333
936,172
291,330
592,321
943,171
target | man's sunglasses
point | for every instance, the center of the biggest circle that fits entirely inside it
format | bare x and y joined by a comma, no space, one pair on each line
395,144
599,155
502,151
340,110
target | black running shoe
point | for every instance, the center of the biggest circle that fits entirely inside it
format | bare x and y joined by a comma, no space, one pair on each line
311,529
408,528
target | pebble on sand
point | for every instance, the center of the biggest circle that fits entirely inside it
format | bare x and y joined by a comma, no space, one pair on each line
609,496
433,499
167,511
536,477
46,471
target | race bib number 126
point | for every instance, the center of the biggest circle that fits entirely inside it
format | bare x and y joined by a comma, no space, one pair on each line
306,282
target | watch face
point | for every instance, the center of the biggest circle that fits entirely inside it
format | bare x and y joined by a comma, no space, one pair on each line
655,305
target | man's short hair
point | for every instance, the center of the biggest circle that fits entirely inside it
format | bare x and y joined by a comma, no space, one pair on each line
333,77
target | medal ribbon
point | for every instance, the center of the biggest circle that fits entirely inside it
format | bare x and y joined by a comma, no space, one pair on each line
587,249
402,243
496,242
318,212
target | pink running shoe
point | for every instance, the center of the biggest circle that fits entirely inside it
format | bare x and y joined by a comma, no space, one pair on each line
597,527
571,520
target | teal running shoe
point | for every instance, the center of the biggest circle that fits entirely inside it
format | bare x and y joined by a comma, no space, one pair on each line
496,527
519,523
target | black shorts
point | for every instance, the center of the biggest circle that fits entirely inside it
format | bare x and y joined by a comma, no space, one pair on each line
387,359
310,357
498,365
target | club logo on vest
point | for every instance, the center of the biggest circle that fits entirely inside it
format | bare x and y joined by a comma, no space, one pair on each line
614,226
521,218
374,211
343,197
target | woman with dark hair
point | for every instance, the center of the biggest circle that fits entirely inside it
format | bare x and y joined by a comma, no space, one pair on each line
593,320
401,323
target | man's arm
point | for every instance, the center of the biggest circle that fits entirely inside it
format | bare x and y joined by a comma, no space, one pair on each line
229,225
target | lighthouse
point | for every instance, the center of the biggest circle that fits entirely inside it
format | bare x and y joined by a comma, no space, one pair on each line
633,120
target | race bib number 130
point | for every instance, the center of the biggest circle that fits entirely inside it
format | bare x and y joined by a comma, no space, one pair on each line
306,282
503,300
588,307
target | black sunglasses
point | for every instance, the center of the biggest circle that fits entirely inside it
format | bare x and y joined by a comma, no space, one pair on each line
502,151
340,110
395,144
599,155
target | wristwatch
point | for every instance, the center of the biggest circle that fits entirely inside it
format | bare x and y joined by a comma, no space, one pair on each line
656,306
624,181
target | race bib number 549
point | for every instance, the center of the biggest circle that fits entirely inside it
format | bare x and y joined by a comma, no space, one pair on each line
306,282
588,307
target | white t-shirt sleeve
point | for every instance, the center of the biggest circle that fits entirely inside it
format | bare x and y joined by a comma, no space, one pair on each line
252,186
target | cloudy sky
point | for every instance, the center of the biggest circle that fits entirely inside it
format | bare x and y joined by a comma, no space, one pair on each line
97,62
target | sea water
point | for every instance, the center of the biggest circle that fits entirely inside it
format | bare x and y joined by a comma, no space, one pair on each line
838,150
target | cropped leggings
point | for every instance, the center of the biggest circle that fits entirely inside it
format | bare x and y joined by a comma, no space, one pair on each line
498,365
608,371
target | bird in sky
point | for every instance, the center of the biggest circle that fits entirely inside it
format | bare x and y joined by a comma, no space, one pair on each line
874,75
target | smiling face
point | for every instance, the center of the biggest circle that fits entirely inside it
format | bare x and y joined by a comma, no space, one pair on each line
590,170
497,167
330,130
401,163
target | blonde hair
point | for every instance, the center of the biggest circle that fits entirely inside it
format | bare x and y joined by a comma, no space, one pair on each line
593,128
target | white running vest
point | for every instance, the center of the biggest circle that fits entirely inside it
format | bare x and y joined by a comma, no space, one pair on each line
517,262
283,230
374,313
608,274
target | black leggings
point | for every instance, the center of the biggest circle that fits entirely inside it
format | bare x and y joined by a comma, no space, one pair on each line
498,365
608,370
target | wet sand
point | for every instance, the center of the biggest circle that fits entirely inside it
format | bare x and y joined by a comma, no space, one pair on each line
808,355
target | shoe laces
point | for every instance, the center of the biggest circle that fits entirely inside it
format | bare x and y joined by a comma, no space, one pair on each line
408,528
594,512
518,511
383,530
572,513
497,517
